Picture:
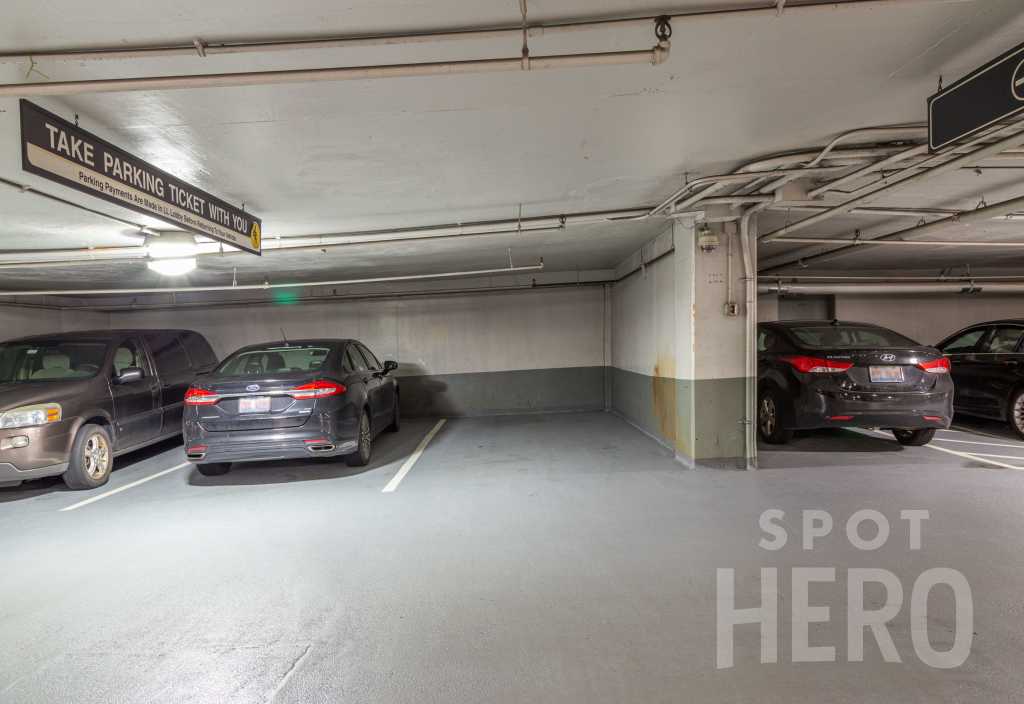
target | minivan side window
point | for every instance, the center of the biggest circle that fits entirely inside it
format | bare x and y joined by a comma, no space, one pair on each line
964,343
198,350
168,353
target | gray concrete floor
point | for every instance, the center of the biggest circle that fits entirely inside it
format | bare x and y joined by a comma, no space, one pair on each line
526,558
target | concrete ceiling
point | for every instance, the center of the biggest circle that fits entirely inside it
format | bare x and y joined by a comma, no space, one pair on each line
336,157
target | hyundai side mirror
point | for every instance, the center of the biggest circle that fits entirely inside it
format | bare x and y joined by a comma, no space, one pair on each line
390,365
130,375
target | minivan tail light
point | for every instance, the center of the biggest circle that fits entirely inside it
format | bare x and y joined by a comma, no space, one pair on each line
317,389
200,397
816,365
936,366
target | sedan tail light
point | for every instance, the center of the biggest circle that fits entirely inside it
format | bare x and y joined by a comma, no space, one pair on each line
317,389
200,397
816,365
936,366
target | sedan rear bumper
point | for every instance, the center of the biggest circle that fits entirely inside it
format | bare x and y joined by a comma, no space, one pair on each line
263,445
819,408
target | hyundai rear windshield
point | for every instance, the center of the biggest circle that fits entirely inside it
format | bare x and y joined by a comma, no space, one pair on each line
257,361
52,360
848,337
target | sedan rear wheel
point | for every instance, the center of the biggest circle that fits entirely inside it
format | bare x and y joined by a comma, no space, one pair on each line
214,469
361,457
769,419
1017,412
914,438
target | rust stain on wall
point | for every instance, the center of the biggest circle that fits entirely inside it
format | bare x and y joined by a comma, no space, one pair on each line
664,394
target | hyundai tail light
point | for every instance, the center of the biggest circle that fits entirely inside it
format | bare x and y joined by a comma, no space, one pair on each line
200,397
317,389
816,365
936,366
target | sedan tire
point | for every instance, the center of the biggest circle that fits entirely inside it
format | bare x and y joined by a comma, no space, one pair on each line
361,457
914,438
1016,414
769,418
91,460
214,469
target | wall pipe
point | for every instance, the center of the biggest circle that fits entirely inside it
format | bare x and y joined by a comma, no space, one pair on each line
656,55
268,286
850,243
970,287
201,48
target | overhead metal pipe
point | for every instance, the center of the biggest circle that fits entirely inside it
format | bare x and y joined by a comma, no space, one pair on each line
268,286
203,48
656,55
951,287
1013,140
904,243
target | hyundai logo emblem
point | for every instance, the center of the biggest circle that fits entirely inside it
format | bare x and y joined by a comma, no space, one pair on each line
256,387
885,358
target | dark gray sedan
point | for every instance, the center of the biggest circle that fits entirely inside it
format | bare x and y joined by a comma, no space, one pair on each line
290,399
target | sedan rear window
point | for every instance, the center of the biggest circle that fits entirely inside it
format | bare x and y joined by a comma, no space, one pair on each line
848,337
268,360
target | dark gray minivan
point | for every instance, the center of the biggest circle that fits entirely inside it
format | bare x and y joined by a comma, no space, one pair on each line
71,402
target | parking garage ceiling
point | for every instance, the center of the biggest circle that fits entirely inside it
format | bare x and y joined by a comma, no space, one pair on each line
340,157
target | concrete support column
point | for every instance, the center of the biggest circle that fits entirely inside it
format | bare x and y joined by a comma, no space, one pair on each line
710,362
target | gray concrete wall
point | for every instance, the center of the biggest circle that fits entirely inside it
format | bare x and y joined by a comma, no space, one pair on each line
19,321
466,354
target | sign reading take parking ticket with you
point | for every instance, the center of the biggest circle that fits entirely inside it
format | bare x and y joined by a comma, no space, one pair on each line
983,97
55,149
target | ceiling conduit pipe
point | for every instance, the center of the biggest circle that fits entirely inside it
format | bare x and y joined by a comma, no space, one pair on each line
210,48
937,287
1013,140
655,56
268,286
970,217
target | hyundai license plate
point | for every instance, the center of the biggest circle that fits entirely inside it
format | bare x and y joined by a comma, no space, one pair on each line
886,375
254,404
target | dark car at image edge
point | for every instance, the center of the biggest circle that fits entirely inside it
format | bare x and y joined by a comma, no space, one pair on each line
832,374
290,399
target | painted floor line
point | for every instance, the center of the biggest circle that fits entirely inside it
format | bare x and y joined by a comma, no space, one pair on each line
1019,446
130,485
970,431
400,475
1000,457
965,455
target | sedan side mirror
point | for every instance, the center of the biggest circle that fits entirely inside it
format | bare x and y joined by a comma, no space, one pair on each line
130,375
390,365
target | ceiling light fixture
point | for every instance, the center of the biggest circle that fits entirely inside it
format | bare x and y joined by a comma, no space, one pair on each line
172,253
172,267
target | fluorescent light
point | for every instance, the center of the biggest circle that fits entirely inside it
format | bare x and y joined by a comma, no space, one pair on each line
172,267
174,245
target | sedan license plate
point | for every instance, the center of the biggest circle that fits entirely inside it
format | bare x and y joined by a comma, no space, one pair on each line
886,375
254,404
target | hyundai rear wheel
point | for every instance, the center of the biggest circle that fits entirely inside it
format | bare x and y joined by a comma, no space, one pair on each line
1017,412
769,418
214,469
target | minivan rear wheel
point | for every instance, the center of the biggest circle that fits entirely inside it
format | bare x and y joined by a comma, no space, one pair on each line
769,418
361,456
91,460
914,438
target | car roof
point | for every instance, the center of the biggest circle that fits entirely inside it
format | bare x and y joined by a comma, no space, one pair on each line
326,341
1002,321
800,323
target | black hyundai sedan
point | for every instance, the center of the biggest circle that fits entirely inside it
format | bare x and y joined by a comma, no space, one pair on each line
828,374
289,399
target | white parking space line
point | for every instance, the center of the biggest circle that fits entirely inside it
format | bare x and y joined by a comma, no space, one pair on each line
1019,446
131,485
1001,457
967,455
971,431
404,469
